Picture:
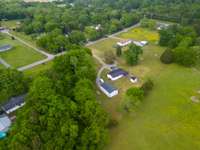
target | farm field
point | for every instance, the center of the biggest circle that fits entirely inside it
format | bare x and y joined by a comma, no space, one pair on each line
167,119
19,55
140,34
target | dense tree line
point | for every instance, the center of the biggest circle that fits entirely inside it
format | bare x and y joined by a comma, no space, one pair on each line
12,83
180,41
61,110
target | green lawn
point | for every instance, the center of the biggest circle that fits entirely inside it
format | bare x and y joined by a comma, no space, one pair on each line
167,119
1,66
33,72
140,34
19,55
105,45
11,23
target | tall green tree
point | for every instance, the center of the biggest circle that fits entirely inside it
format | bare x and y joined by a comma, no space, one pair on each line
132,54
12,83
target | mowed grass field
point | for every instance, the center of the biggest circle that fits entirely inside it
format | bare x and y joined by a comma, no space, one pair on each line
140,34
167,119
1,66
20,54
105,45
33,72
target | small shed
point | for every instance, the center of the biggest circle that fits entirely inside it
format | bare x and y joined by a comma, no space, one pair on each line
133,79
108,89
13,104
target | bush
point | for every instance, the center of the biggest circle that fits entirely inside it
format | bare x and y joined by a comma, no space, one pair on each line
167,57
113,123
133,99
185,56
147,86
109,57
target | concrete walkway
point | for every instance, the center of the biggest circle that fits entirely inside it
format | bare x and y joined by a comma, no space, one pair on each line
4,63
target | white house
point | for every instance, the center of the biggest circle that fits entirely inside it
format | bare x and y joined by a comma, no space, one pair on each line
4,123
116,74
141,43
108,89
134,79
124,43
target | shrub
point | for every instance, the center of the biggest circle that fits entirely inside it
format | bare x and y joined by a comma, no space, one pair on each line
133,99
109,57
113,123
147,86
167,57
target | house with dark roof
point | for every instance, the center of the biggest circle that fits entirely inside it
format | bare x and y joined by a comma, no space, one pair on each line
116,74
108,89
5,48
13,104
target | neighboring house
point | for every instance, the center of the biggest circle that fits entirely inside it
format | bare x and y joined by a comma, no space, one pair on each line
13,104
5,48
5,123
116,74
141,43
108,89
133,79
124,43
161,26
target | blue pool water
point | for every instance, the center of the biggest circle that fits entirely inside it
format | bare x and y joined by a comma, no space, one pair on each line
2,135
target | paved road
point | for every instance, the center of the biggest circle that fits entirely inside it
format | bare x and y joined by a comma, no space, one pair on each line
4,63
49,56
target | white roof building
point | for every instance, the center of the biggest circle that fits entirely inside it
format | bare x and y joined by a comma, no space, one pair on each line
4,123
124,43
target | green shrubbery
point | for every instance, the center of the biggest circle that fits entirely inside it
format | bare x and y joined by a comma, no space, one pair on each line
167,57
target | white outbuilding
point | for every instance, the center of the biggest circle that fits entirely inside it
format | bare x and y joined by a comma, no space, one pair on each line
124,43
134,79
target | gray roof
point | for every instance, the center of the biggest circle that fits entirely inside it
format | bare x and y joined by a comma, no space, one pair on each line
4,123
117,72
5,47
109,88
13,102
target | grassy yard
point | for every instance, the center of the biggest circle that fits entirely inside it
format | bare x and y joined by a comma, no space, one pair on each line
105,45
19,55
11,23
167,119
2,66
140,34
33,72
